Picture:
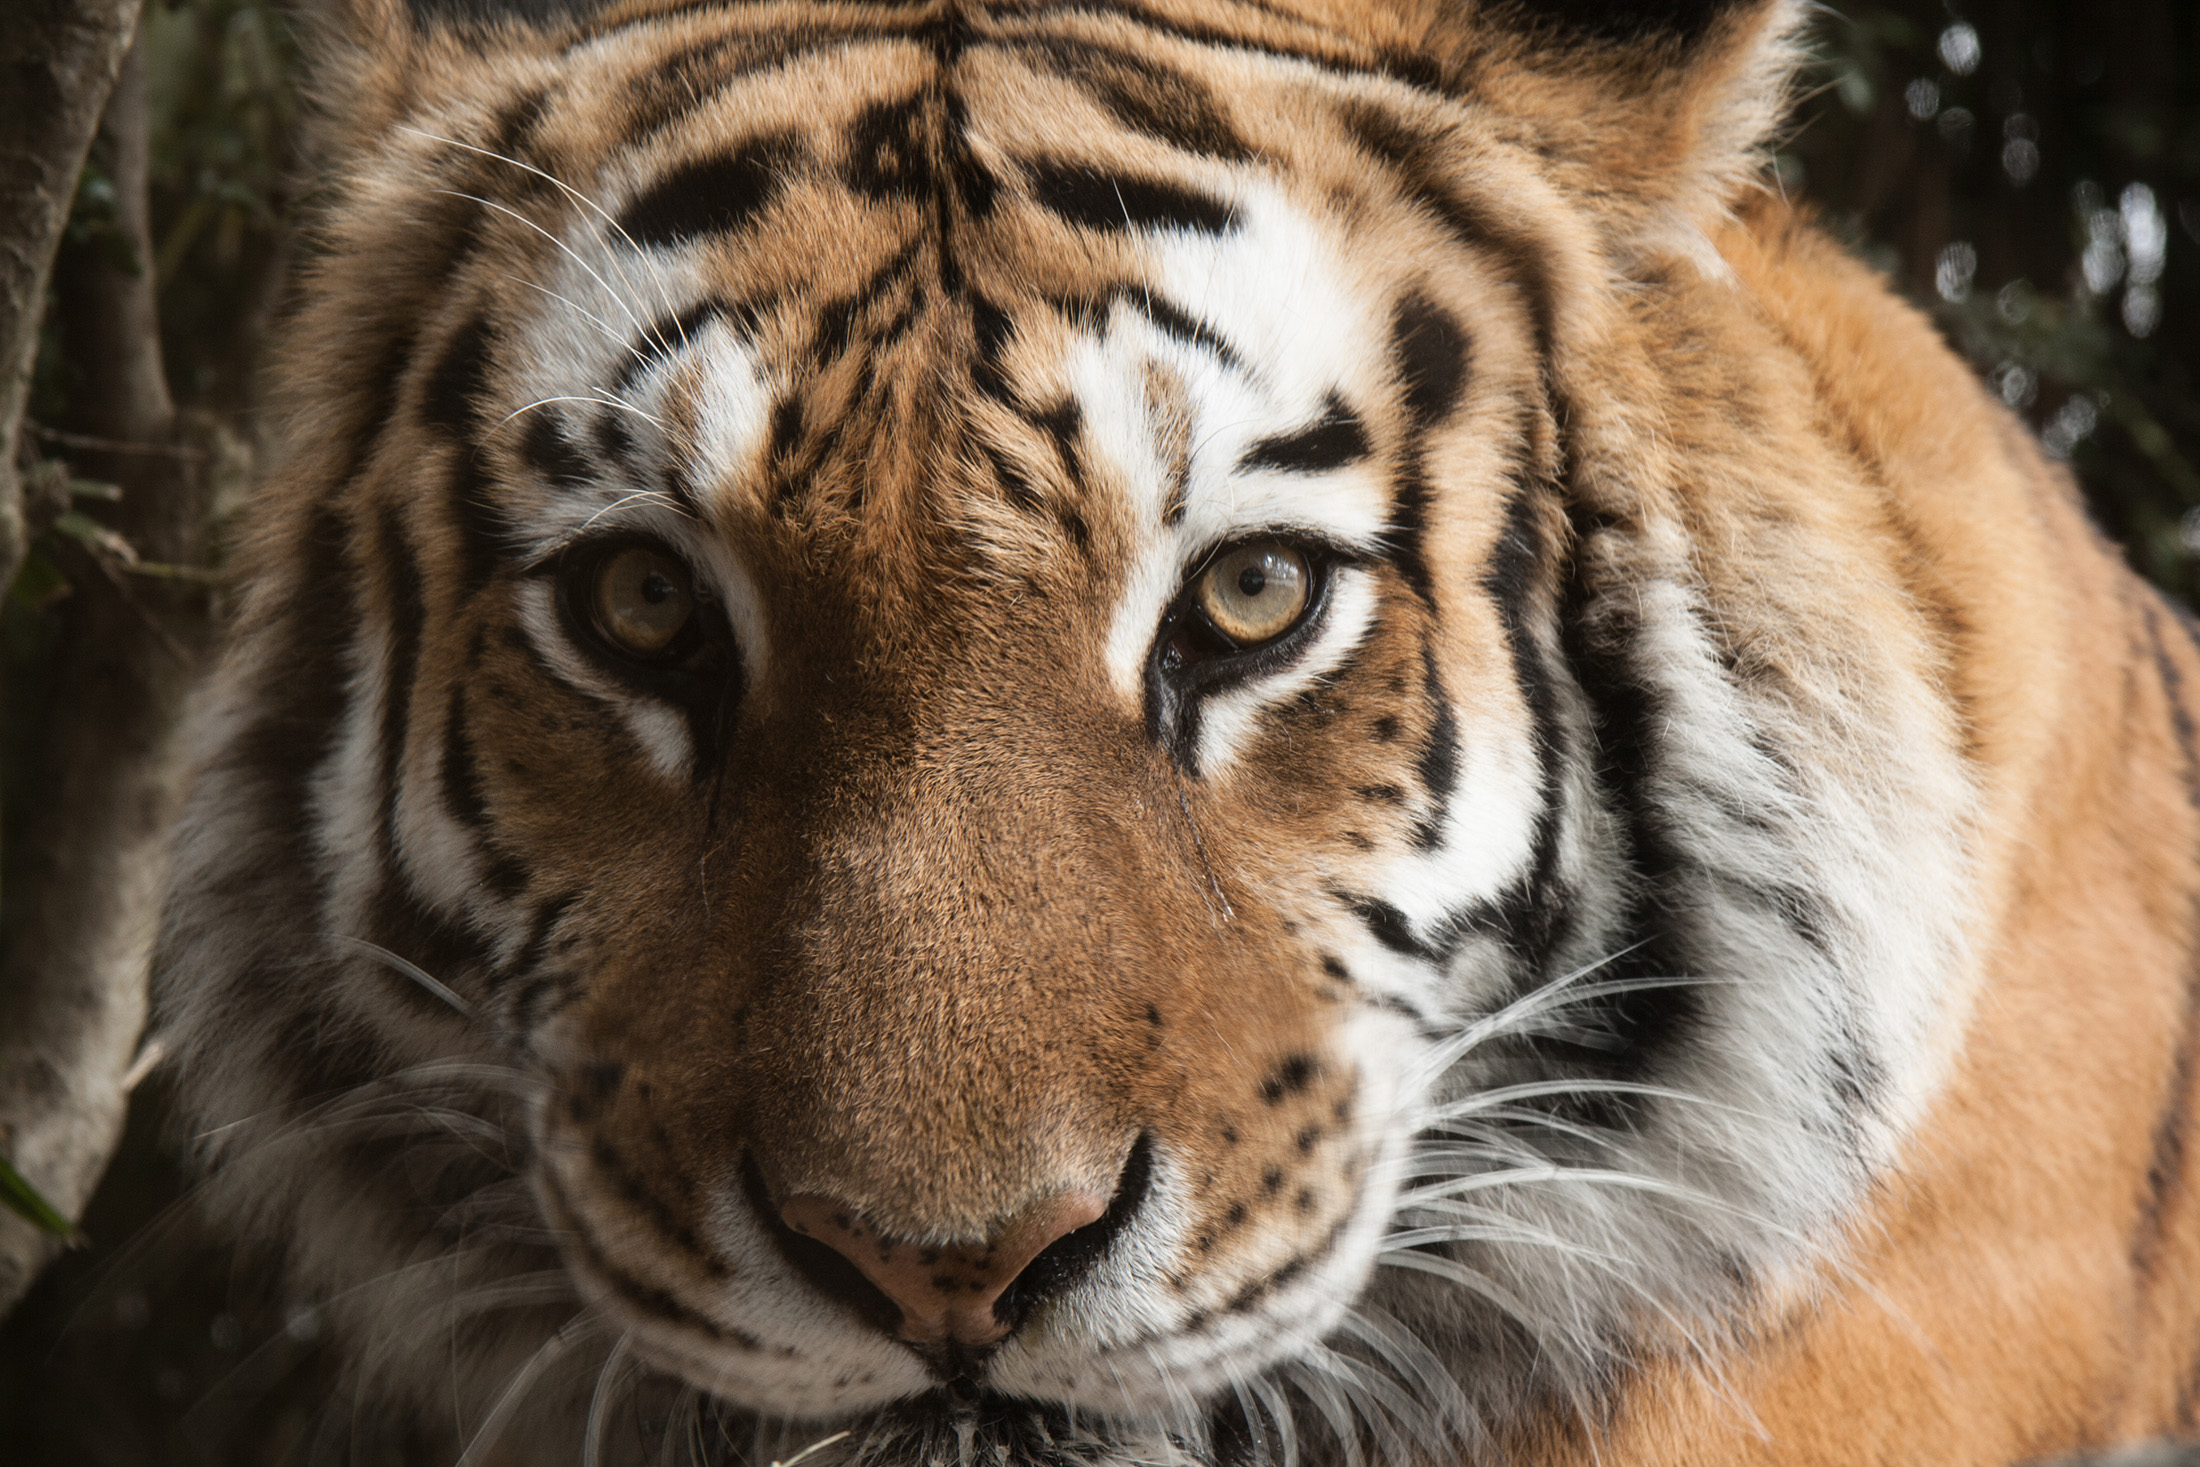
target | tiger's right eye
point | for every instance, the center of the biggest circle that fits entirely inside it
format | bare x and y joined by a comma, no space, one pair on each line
643,600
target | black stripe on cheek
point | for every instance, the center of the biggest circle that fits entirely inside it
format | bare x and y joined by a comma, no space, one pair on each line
454,390
1336,440
305,705
452,955
993,329
1629,713
1438,761
482,528
540,931
407,612
710,195
379,395
1388,926
462,795
1115,202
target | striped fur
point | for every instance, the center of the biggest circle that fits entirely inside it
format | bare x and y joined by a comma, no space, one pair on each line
1681,956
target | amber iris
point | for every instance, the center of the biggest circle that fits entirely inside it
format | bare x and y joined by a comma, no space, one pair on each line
1255,593
644,600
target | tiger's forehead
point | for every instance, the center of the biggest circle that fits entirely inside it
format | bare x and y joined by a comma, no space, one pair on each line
1031,313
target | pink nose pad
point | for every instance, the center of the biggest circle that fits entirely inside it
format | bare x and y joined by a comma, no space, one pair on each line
945,1293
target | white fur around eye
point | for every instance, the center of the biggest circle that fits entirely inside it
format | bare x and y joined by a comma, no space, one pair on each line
659,728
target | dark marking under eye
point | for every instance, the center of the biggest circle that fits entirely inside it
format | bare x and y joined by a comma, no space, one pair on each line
1335,440
710,195
1113,202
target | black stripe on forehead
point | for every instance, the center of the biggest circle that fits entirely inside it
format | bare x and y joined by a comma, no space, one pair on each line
1146,97
916,150
1114,202
1331,442
551,453
1429,350
1429,353
1089,313
1414,70
451,402
712,195
1415,159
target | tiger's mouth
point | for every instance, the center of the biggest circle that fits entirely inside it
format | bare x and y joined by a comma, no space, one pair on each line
1163,1304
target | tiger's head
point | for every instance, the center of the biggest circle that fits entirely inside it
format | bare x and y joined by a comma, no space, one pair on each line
1007,719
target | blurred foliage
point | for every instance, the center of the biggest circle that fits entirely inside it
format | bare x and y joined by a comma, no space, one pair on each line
223,99
2026,170
2029,171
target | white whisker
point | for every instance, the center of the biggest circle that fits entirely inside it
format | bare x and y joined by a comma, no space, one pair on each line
411,970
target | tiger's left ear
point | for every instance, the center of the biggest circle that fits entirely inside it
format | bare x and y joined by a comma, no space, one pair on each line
1654,114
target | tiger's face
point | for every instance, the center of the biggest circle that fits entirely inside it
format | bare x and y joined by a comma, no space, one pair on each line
1008,637
976,649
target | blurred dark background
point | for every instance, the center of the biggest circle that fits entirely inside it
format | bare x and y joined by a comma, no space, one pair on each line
2026,171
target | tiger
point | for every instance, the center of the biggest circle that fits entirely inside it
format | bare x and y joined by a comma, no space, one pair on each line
1118,733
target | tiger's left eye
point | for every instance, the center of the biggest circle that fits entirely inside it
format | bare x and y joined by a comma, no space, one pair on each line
643,600
1255,593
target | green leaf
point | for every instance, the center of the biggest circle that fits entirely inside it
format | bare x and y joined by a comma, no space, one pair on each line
23,1200
39,584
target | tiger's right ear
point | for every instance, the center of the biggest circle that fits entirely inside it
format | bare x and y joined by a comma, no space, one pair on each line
1653,112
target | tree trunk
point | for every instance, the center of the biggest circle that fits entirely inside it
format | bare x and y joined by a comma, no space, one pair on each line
87,869
57,63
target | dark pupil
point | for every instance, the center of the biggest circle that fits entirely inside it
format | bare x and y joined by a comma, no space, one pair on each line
1252,581
657,588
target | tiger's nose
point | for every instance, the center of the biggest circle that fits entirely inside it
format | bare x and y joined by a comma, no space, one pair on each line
948,1294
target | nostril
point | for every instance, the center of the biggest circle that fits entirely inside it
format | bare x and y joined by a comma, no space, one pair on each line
1070,1257
971,1295
831,1272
